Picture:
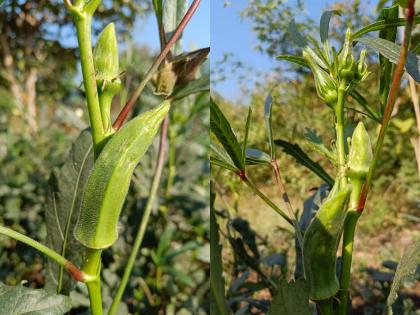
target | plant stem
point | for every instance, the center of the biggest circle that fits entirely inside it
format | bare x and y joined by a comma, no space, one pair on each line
325,307
83,24
177,33
267,200
145,219
399,70
340,141
346,258
92,267
171,162
70,267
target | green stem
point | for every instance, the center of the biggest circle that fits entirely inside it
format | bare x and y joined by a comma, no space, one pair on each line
266,199
346,258
83,24
325,307
92,267
70,267
340,141
144,220
171,162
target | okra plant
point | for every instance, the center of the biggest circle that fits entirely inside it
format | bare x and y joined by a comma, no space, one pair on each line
110,154
321,278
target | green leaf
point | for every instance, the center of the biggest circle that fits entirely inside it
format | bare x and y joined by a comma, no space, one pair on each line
196,86
391,51
294,59
296,35
268,115
406,268
218,304
244,144
221,128
220,158
324,23
66,186
386,68
291,299
316,144
255,156
381,25
359,98
158,8
19,300
301,157
173,12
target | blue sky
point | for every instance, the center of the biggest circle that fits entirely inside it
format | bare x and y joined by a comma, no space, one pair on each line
230,33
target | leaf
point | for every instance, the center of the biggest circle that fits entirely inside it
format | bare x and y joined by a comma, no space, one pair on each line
371,113
218,304
21,300
406,268
300,156
296,35
268,115
324,23
294,59
173,12
195,86
391,51
158,8
385,66
221,128
244,144
66,187
291,299
255,156
381,25
220,158
316,144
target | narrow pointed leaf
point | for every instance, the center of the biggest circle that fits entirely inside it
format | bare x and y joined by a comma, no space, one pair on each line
244,144
255,156
268,114
221,128
364,103
317,145
66,187
296,35
324,23
383,24
391,51
301,157
294,59
196,86
20,300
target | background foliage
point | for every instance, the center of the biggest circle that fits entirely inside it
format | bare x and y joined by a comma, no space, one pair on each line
42,112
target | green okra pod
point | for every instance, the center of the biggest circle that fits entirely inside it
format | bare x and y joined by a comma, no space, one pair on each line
320,246
109,181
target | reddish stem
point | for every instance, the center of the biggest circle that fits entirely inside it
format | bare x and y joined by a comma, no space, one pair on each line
399,70
175,36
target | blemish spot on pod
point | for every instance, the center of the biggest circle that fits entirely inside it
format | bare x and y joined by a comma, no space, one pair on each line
106,55
360,155
320,246
109,181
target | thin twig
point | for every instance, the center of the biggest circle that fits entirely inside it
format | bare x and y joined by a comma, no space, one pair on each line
132,101
399,70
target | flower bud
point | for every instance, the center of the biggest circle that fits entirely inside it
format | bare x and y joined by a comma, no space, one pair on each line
106,55
362,71
325,85
165,80
360,155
